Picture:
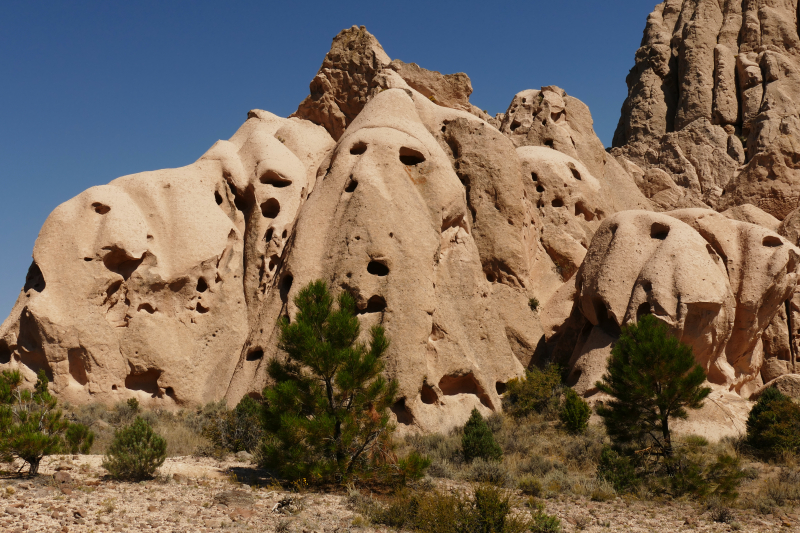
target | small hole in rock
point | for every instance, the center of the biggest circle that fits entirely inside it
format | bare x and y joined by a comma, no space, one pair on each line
351,185
100,208
410,157
575,173
402,413
514,125
202,309
772,241
270,208
113,387
268,236
534,176
271,177
218,198
358,148
146,307
169,391
283,235
286,286
659,231
255,355
376,304
428,394
87,258
557,202
539,188
643,309
202,286
549,144
377,268
500,387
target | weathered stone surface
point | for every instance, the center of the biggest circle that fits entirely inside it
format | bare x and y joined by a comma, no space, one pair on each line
703,66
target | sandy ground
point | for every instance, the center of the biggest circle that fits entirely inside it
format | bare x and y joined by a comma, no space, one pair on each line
201,494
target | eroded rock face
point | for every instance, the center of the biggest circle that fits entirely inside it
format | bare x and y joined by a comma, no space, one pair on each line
716,282
707,76
140,288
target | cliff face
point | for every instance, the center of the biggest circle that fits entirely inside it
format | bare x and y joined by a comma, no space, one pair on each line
713,101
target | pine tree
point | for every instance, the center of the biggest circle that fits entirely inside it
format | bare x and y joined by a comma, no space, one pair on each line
136,452
575,413
31,424
478,440
326,417
773,425
653,378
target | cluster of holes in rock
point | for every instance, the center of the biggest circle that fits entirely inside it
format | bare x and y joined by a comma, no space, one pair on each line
452,385
100,209
377,268
411,157
271,208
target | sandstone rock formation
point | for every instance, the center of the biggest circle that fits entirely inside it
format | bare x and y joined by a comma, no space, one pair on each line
708,76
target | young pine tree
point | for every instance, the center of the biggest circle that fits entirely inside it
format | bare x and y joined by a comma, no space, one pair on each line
326,415
575,413
653,378
136,452
31,424
478,440
773,425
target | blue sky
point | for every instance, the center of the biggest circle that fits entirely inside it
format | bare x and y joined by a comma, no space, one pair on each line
90,91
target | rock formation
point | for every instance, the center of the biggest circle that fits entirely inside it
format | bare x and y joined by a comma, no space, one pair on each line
445,225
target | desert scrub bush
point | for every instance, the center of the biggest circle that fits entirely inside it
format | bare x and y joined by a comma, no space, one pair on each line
773,425
542,522
478,440
326,416
238,429
538,392
483,471
135,453
32,425
486,510
617,469
575,413
530,485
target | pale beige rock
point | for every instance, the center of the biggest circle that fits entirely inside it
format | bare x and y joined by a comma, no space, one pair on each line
753,215
788,385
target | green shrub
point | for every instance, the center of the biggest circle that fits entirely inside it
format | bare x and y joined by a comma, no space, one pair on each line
133,405
478,440
238,429
530,485
616,469
688,474
575,413
31,424
538,392
533,303
492,472
542,522
136,452
773,425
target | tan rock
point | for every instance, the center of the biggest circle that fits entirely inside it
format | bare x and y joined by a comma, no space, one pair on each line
753,215
788,385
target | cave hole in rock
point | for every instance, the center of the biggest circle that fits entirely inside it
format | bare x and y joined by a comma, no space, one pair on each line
77,358
283,235
402,413
575,173
557,202
146,307
202,309
451,385
647,286
34,279
202,285
268,236
271,177
411,157
5,353
490,277
271,208
500,387
36,361
218,197
113,387
376,268
351,185
582,210
273,262
643,309
428,394
146,381
87,259
286,286
119,261
255,355
534,176
659,231
514,125
772,241
549,144
169,391
539,188
358,148
100,209
376,304
239,202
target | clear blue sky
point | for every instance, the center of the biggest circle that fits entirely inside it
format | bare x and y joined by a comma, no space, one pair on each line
90,91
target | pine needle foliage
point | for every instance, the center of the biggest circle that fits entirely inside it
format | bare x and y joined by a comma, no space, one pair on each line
653,378
773,425
478,440
575,413
32,426
326,417
136,452
538,392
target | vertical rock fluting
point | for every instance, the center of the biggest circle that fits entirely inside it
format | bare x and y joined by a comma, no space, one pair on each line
709,75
